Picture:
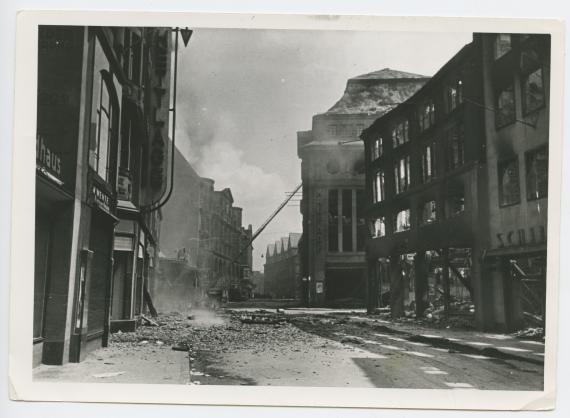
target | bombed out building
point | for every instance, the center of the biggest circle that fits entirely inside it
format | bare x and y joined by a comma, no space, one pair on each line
102,129
333,200
456,188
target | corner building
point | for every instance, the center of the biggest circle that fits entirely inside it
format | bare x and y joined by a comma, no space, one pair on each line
332,171
456,185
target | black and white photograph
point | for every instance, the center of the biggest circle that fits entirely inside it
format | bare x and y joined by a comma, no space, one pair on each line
312,207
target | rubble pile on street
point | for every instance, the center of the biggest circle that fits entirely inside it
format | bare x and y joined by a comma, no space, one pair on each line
531,333
236,331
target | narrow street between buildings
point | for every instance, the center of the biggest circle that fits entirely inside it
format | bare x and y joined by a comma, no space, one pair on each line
307,347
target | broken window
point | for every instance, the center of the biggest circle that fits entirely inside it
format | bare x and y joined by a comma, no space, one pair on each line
402,174
426,115
428,163
509,186
400,134
402,220
505,106
333,220
378,186
428,211
455,199
533,91
454,95
502,45
376,150
455,147
379,227
537,174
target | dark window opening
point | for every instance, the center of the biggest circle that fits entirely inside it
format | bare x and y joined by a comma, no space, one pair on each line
376,149
428,163
379,227
362,234
402,174
509,185
400,134
378,187
333,220
402,221
537,174
455,147
455,201
427,115
533,91
454,95
505,111
428,213
347,221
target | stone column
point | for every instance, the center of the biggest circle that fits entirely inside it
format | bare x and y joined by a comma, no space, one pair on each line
421,283
396,287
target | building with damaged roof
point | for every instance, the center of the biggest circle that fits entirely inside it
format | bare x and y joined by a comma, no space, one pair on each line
332,171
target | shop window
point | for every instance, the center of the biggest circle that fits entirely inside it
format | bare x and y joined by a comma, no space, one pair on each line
333,220
505,111
502,45
402,174
537,174
402,221
426,115
376,149
400,134
379,227
428,211
379,188
102,127
455,147
509,186
428,163
533,91
454,95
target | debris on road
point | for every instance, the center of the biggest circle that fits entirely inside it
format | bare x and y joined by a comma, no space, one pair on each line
108,374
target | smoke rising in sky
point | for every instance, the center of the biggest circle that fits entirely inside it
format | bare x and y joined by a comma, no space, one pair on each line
244,93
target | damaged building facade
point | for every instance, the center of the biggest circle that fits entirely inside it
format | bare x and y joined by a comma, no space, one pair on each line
204,251
456,188
282,270
333,200
103,106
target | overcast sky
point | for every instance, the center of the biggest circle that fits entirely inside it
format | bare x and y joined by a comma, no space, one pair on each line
244,93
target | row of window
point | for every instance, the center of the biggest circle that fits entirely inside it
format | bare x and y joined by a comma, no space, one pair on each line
428,215
346,130
455,151
426,118
454,139
536,176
